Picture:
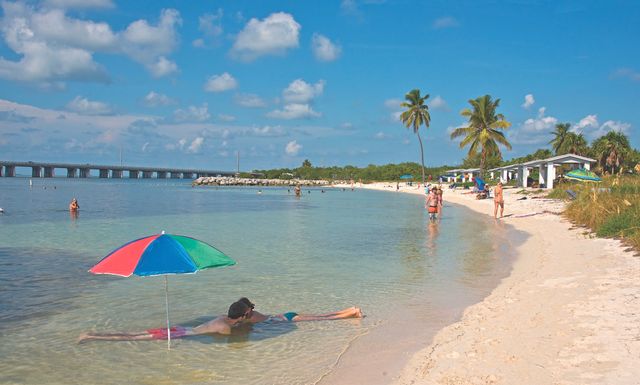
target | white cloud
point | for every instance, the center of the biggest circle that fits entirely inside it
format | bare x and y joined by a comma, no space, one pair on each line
86,107
145,146
534,130
380,135
611,125
226,118
53,47
300,91
271,131
192,114
148,44
220,83
438,103
292,148
627,73
194,147
528,101
445,22
294,111
154,99
393,103
586,122
249,100
80,3
323,49
209,23
274,35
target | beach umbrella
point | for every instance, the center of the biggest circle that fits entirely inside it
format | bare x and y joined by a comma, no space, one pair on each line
162,254
406,176
582,175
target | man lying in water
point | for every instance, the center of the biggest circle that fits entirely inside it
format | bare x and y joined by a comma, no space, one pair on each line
239,312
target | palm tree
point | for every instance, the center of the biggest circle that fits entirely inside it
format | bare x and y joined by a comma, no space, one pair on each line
484,131
574,144
416,115
562,129
611,149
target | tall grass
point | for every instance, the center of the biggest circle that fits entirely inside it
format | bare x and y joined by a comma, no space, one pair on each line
610,208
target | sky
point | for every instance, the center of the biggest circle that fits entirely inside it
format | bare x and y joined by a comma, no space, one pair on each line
201,84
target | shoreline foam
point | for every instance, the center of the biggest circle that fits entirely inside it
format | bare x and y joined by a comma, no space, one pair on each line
569,312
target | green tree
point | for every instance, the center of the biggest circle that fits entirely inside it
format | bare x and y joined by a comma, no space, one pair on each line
611,150
557,143
306,163
574,144
416,115
484,130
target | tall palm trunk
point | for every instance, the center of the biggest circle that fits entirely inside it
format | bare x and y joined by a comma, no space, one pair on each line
483,159
421,155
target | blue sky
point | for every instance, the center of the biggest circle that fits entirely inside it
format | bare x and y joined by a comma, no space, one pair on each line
191,83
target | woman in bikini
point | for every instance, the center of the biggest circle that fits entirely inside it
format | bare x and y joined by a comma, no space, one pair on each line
255,316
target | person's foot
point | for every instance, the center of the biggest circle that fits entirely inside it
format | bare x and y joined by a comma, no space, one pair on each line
83,337
358,313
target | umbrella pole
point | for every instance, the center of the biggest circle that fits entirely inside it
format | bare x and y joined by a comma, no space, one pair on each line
166,297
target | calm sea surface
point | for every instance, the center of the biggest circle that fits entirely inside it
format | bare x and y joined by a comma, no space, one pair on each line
318,253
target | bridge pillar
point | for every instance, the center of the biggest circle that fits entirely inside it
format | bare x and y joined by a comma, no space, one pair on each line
134,174
49,172
175,175
10,171
147,174
187,175
71,172
104,173
116,173
85,172
162,174
36,172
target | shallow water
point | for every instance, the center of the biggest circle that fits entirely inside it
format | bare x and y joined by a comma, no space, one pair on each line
321,252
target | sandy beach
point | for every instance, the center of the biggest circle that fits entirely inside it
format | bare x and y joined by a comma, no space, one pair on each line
569,312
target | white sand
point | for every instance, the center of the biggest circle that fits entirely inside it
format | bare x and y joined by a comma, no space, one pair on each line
569,313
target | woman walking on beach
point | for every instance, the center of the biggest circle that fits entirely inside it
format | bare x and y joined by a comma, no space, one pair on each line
498,200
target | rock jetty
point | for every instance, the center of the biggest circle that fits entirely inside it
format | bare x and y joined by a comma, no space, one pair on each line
233,181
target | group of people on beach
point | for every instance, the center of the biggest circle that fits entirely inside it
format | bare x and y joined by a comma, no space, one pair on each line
433,202
240,312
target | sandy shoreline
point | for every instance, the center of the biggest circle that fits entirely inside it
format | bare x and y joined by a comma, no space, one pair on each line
569,313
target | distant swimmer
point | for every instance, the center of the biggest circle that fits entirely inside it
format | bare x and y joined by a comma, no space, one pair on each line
297,190
74,206
259,191
1,210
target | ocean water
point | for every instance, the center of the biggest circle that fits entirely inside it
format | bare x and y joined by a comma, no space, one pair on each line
317,253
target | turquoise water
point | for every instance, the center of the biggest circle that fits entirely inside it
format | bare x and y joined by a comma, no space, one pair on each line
318,253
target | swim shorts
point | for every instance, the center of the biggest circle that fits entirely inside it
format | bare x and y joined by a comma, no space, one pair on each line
161,333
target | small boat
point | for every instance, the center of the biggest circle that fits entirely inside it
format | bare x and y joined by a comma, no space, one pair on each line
582,175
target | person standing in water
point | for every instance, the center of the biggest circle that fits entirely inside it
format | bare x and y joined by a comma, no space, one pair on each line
431,204
74,206
498,200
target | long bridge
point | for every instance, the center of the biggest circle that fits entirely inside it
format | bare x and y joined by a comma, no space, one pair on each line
75,170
